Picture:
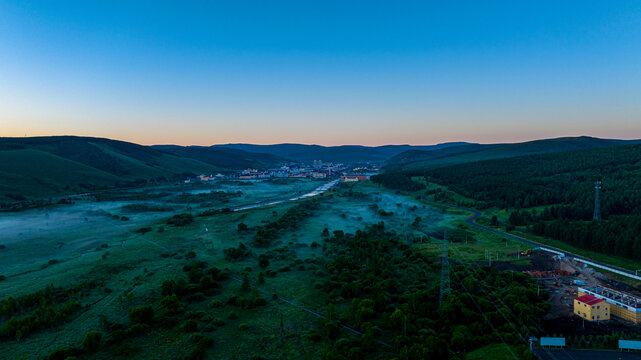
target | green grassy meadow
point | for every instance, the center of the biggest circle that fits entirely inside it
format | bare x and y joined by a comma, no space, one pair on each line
86,243
114,268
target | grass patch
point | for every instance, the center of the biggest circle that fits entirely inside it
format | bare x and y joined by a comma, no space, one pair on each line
493,351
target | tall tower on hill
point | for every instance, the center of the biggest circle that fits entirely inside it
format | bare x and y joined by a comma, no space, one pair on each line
445,274
597,204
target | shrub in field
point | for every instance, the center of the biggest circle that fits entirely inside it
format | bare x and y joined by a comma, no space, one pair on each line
180,219
141,314
92,341
190,325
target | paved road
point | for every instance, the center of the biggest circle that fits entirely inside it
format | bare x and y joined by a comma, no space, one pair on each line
319,190
559,354
476,214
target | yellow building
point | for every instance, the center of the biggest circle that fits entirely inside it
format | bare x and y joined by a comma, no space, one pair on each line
624,306
591,308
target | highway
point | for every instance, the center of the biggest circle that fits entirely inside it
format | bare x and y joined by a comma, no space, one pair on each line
477,214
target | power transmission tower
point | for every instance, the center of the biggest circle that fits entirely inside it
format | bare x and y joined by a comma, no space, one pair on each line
597,205
445,275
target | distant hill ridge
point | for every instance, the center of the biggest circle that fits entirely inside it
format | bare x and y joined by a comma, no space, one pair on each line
50,166
223,157
342,153
416,159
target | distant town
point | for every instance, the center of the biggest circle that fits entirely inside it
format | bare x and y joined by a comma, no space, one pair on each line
317,170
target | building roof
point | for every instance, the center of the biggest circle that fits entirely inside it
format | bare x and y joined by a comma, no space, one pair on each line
589,299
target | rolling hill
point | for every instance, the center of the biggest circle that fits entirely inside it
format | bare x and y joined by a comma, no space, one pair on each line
344,153
227,158
48,166
550,195
417,159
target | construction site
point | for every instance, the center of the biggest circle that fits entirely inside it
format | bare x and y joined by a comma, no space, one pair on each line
566,279
624,306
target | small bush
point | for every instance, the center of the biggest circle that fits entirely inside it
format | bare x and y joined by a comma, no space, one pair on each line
197,297
237,253
315,336
243,327
263,261
64,352
259,301
166,321
218,322
190,325
215,303
169,287
171,303
141,314
92,341
139,328
143,230
124,350
232,315
181,219
245,286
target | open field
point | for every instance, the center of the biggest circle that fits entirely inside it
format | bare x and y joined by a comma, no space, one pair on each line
89,243
270,293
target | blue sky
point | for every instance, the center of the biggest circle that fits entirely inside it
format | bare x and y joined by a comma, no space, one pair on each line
328,72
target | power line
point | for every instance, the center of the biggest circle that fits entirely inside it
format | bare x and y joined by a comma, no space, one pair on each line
486,318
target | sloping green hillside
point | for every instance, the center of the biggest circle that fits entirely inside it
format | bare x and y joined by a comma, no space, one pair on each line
223,157
343,153
416,159
47,166
35,173
552,194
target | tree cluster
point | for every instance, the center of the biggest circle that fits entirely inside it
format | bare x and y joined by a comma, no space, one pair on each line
394,297
290,220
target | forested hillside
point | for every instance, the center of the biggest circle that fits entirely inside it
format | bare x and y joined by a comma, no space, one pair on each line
342,154
223,157
49,166
416,159
561,185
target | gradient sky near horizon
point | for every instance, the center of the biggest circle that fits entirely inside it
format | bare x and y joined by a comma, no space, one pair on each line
323,72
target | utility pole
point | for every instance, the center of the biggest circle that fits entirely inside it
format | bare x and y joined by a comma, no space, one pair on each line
531,340
445,275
